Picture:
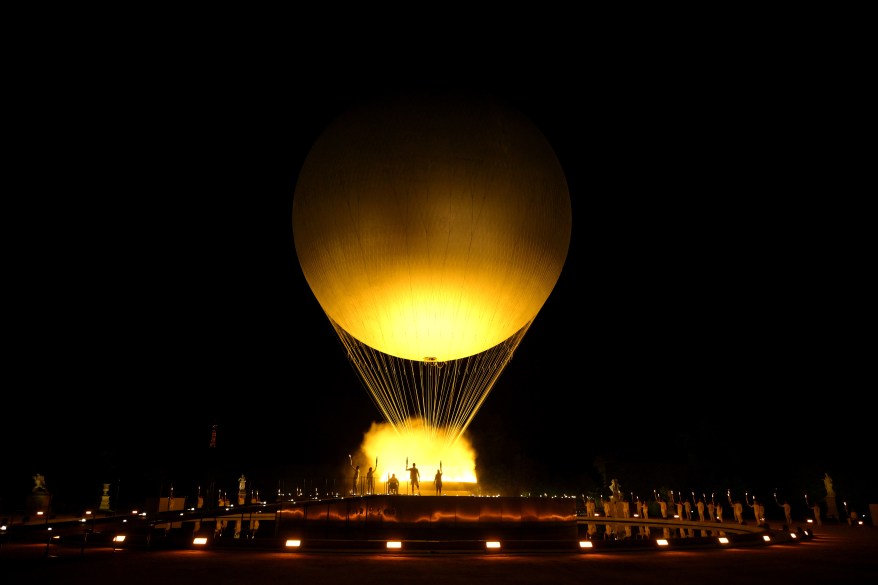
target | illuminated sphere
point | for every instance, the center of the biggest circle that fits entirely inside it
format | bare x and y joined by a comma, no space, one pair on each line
432,227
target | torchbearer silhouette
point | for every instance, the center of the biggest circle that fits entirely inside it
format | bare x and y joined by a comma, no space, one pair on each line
437,480
370,478
414,477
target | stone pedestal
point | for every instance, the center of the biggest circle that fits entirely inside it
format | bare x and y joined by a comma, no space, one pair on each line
105,498
831,507
39,502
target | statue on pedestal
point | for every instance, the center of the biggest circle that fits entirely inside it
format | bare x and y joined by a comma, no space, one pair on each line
39,500
827,482
616,489
242,490
39,483
105,498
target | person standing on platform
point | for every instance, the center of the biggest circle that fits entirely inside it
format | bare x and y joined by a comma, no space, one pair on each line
437,481
415,478
738,508
370,481
787,514
663,508
355,479
393,485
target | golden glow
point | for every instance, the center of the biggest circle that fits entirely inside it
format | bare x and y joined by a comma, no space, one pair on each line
119,538
394,544
416,444
199,541
766,538
432,229
661,542
293,543
444,396
492,544
723,540
585,544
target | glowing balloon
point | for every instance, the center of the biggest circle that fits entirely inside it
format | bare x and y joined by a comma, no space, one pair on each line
432,228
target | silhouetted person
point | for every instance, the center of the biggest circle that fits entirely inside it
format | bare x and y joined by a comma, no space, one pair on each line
437,481
700,506
393,484
663,508
787,514
758,512
370,481
738,509
608,508
415,478
355,480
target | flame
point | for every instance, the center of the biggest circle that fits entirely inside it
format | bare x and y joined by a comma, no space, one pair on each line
417,444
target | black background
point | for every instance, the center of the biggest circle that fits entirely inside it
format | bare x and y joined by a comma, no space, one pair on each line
709,331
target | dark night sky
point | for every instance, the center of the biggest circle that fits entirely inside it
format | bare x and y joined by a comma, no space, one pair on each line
709,329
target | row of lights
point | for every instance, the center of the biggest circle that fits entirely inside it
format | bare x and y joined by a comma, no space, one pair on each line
495,544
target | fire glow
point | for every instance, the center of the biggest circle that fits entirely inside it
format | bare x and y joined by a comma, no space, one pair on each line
396,451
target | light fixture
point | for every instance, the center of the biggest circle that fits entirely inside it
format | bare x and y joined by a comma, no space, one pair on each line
293,543
394,544
661,542
492,544
585,544
199,541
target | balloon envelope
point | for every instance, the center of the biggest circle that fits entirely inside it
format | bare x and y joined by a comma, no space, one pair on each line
432,227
